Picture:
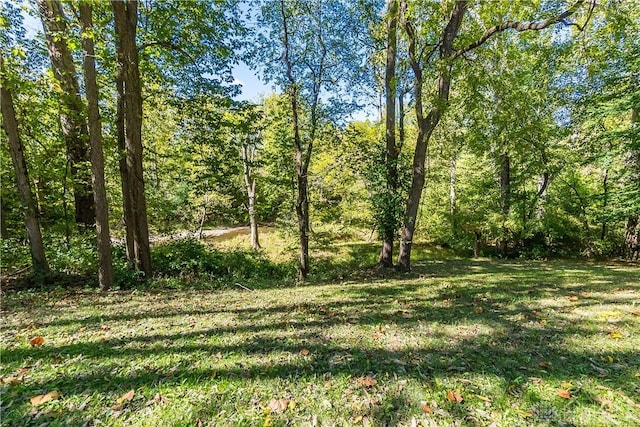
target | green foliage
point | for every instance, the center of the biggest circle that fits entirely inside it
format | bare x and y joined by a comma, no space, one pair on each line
191,258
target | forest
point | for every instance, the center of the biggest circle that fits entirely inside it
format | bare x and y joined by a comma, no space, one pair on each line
507,129
400,159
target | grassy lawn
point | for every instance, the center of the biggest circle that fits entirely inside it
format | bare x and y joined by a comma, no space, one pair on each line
455,342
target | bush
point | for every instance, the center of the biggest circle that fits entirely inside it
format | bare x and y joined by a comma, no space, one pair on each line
192,258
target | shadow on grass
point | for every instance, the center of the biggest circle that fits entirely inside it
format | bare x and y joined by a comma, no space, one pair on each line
503,334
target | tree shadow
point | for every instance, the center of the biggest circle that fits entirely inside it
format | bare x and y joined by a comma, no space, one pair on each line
492,328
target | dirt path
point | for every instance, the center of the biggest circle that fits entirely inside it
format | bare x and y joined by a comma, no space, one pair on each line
206,234
213,234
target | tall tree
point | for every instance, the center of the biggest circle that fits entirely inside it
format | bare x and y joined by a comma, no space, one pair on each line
72,111
105,265
318,45
126,18
10,125
445,54
389,227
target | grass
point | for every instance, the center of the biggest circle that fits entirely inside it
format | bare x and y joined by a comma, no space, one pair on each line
455,342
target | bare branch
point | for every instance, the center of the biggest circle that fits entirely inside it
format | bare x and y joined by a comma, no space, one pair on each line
520,26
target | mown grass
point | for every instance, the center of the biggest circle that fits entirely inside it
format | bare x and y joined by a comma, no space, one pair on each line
353,347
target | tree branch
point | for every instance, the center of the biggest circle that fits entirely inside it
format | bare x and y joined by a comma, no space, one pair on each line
169,45
526,26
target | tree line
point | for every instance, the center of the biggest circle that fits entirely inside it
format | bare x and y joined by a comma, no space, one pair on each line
505,128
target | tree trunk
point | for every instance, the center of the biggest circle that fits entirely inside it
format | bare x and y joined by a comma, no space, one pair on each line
4,232
392,152
426,125
126,18
105,264
605,202
31,221
124,173
477,243
452,193
248,157
72,112
505,199
632,229
543,184
302,159
632,238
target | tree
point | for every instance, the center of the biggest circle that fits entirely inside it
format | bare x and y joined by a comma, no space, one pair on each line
72,111
126,18
105,265
10,125
248,127
318,44
389,226
446,53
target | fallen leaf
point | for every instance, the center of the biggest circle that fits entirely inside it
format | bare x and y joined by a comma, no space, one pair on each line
483,398
122,400
604,402
635,313
304,352
616,335
573,298
36,341
479,310
426,408
44,398
565,394
454,397
278,405
23,371
367,381
10,380
566,384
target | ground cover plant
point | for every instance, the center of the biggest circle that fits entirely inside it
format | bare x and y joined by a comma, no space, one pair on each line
454,342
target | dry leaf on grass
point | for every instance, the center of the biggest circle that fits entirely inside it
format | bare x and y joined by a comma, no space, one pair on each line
304,352
35,341
122,400
367,381
573,298
426,408
278,405
12,380
606,403
616,335
565,394
44,398
483,398
454,397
